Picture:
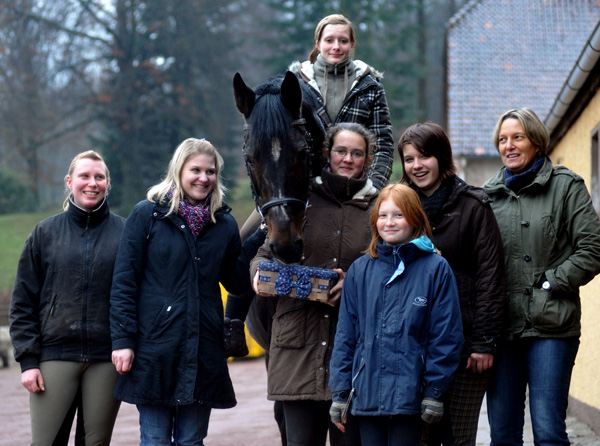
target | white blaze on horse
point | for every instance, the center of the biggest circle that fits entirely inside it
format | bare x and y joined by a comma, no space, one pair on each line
283,149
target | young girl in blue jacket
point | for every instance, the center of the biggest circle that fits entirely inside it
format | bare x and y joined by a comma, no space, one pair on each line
399,333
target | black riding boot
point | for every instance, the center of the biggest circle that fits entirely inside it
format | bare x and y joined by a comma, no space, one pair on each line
235,338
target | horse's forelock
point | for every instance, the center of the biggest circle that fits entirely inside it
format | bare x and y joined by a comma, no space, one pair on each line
269,116
270,86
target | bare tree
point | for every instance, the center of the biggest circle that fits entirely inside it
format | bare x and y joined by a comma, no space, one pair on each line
43,97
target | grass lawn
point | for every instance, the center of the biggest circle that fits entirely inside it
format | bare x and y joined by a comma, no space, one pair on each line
14,229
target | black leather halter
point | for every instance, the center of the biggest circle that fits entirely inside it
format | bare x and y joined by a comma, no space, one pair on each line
283,201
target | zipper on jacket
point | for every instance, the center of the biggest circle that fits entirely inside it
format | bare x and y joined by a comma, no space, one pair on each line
85,295
87,225
176,422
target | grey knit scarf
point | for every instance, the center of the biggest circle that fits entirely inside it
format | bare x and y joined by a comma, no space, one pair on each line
334,82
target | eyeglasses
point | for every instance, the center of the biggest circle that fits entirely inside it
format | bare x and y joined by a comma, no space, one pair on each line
355,154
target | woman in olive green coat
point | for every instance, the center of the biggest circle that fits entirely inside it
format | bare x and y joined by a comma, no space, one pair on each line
551,237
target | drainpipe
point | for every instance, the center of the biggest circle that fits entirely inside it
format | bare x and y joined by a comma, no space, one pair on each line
579,74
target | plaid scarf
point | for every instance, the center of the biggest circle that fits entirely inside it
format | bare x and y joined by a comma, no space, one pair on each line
195,216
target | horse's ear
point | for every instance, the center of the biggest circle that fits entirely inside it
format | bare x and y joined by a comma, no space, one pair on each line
291,94
244,96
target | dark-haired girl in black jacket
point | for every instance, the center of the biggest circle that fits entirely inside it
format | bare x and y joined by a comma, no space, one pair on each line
466,232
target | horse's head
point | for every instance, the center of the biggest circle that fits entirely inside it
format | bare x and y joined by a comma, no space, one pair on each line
278,154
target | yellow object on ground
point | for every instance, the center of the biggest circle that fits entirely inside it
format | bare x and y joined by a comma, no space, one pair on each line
255,350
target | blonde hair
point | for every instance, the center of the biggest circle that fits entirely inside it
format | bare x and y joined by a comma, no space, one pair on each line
410,204
89,154
532,125
187,149
333,19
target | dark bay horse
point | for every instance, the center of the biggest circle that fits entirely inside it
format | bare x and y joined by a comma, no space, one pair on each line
283,145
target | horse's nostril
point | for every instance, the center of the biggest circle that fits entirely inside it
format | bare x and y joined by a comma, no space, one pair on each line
287,252
298,244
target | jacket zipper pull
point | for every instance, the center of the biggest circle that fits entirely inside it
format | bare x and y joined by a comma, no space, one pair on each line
87,224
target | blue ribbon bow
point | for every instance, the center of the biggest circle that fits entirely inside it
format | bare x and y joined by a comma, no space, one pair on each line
285,282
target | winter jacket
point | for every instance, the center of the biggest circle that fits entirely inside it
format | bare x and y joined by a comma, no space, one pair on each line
400,340
166,305
550,231
467,234
365,104
60,302
335,234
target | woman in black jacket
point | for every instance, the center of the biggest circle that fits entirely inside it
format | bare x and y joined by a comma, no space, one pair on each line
166,308
59,313
466,232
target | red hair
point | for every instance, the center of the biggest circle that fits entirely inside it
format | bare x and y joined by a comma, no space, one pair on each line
410,204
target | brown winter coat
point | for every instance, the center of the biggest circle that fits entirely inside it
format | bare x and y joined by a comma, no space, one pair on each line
335,234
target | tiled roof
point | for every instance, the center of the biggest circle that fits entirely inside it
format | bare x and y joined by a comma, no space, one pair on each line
504,54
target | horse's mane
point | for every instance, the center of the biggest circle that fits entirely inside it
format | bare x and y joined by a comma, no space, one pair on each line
270,118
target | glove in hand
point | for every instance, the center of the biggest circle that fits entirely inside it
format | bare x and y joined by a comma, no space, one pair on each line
432,410
335,411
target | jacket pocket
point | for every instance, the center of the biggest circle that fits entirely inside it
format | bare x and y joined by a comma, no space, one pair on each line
163,321
289,324
48,314
551,315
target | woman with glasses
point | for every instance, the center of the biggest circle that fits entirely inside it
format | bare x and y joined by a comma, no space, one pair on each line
336,232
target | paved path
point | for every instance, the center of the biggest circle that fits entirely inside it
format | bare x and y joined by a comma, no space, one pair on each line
249,423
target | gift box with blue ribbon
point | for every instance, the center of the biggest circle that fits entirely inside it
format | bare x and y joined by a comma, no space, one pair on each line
303,282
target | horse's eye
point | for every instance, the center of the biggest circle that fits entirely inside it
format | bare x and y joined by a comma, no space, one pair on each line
301,154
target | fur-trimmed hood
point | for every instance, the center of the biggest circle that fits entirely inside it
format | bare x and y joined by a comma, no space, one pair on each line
362,69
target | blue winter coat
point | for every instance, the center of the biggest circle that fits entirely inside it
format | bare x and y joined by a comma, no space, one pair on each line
402,340
166,305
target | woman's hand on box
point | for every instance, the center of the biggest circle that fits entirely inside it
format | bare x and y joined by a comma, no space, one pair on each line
255,286
335,293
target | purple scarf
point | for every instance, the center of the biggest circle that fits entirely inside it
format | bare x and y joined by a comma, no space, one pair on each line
195,216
